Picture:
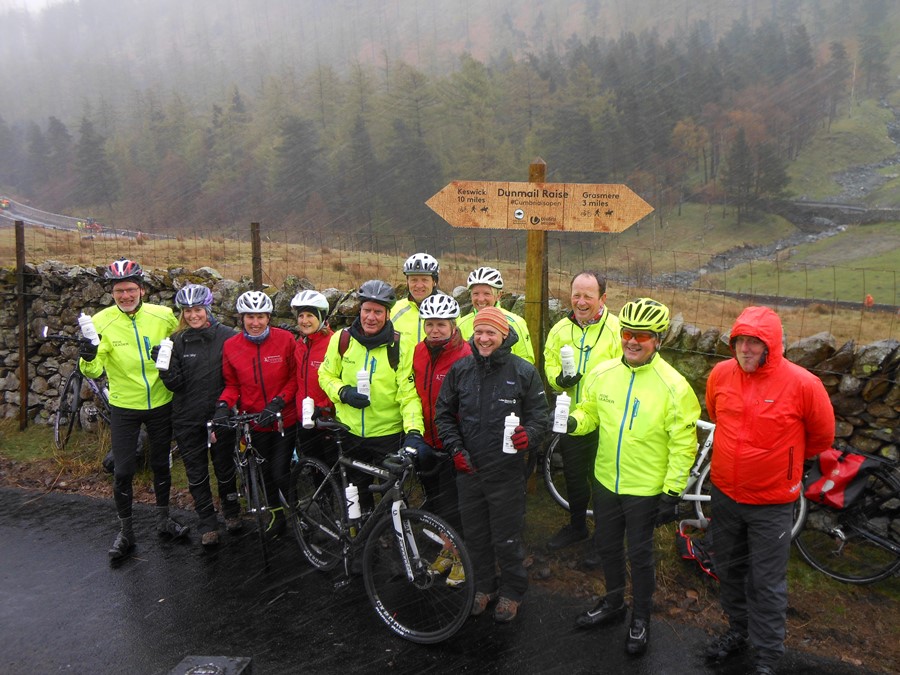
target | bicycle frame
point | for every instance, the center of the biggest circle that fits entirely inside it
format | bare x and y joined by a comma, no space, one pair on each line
699,464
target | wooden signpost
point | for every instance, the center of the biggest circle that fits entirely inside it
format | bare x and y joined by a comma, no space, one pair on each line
538,207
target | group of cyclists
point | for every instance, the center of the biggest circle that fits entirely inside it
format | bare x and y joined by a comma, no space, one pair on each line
414,373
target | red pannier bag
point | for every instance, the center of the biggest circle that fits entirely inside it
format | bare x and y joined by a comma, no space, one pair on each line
838,478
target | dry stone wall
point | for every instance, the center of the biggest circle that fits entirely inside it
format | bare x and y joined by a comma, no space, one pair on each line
861,379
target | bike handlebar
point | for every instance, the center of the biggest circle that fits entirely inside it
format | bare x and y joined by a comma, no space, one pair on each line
236,422
60,337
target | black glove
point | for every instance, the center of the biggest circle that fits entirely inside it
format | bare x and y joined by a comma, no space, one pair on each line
567,381
667,509
571,424
222,412
269,414
425,458
87,350
154,353
353,398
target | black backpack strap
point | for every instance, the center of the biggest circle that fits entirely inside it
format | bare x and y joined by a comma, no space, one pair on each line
394,351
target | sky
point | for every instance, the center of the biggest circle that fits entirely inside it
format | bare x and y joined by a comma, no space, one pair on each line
30,5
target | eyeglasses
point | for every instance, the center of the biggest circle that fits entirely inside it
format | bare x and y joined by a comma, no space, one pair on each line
640,337
126,291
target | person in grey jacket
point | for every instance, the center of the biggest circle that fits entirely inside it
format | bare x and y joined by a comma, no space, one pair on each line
478,394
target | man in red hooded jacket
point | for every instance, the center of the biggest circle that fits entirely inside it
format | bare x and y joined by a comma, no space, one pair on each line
770,416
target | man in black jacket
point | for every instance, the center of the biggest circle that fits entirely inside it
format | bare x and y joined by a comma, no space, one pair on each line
477,396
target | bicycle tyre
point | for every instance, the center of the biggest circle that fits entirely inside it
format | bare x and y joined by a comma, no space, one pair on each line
260,506
855,558
317,507
425,610
67,410
554,478
703,510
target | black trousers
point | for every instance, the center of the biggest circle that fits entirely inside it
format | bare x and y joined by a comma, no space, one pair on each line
442,496
372,451
125,428
751,544
196,457
492,508
619,517
277,450
578,455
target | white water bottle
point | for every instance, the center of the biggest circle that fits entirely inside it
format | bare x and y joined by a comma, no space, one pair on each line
509,425
165,354
567,356
561,414
362,382
352,495
88,330
309,407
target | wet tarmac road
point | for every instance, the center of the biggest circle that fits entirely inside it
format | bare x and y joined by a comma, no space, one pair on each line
63,609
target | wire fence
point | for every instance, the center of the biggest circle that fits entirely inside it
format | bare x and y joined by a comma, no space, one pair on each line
707,289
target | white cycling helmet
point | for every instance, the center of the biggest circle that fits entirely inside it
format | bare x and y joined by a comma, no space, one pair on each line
193,295
439,306
485,275
310,301
254,302
421,263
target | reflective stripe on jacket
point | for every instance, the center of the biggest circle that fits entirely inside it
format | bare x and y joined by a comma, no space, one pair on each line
593,344
648,426
768,421
124,352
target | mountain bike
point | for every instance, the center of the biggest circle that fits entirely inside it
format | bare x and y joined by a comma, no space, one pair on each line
860,543
696,490
398,544
248,467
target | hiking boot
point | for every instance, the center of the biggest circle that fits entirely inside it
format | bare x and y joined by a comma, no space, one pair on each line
506,610
603,613
567,536
638,636
443,563
482,600
457,576
210,539
167,526
124,543
277,524
234,523
729,643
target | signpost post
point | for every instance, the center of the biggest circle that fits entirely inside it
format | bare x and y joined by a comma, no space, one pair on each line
538,207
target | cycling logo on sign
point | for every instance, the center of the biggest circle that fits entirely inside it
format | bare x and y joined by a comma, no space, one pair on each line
535,220
519,214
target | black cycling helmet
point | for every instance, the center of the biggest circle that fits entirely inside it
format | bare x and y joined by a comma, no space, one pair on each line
124,269
376,290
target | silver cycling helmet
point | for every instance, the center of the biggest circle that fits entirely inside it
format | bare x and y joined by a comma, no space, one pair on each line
439,306
376,290
422,263
254,302
312,302
193,295
485,275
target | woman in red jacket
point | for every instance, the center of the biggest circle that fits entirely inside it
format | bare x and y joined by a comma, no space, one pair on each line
432,358
259,369
311,308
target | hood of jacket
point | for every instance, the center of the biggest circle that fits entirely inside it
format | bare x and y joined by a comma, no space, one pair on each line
763,324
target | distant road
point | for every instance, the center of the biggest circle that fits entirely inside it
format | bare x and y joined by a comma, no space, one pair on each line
56,221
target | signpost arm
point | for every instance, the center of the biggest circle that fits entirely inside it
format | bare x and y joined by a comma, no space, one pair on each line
536,276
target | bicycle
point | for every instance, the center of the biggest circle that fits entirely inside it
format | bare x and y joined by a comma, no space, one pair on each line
696,490
398,543
73,405
248,467
859,544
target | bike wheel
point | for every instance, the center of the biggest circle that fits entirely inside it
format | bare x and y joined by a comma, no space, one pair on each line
317,510
858,544
703,509
425,609
554,478
67,410
260,506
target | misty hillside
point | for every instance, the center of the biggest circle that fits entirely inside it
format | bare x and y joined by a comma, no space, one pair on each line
187,115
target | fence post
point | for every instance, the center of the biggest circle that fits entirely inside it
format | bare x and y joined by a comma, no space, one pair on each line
23,324
256,256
